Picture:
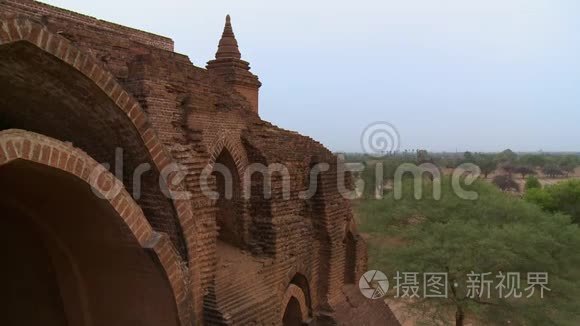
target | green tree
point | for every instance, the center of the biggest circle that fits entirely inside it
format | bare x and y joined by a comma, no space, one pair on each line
468,157
495,233
507,156
535,160
540,197
532,182
562,197
505,183
552,170
487,164
568,163
448,162
423,156
524,170
508,168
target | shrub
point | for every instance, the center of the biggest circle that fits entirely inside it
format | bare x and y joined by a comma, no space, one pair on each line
506,183
562,197
532,183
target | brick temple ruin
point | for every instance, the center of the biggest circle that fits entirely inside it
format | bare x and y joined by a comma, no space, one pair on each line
75,90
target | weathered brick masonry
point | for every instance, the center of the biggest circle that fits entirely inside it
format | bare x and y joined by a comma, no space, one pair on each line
75,89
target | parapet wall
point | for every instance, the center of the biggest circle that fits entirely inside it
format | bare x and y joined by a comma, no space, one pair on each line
37,9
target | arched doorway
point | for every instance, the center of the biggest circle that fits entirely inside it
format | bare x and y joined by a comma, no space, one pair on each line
230,202
70,259
293,313
50,95
301,281
295,306
350,259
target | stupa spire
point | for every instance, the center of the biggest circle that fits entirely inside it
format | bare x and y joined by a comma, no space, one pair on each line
228,45
232,70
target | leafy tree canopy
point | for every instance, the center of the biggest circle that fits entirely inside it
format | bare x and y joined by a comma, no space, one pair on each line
495,233
506,183
562,197
507,156
524,170
535,160
532,182
553,170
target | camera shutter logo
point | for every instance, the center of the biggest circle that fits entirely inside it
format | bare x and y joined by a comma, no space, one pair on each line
374,284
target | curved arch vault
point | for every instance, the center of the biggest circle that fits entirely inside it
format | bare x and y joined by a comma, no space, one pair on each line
76,257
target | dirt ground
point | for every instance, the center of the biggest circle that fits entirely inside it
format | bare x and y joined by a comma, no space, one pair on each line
544,179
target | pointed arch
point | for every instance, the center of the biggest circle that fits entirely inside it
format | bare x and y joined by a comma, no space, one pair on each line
231,215
234,146
294,294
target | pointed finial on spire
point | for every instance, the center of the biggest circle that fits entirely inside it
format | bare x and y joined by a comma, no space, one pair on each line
232,70
228,46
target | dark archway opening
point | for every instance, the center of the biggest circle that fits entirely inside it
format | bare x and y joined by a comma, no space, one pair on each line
42,94
293,314
29,275
301,281
229,216
69,258
350,259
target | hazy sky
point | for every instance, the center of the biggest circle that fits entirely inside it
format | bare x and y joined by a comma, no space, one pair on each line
480,75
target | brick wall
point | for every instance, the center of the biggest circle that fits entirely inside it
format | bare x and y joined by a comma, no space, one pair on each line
50,13
179,113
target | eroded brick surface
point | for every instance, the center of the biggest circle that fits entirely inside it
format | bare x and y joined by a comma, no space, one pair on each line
101,86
